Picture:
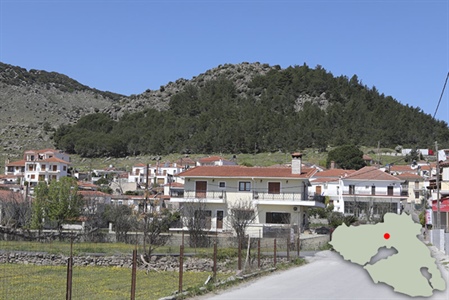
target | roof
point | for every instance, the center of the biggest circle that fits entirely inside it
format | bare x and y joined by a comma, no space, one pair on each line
174,184
367,157
323,180
140,165
55,159
84,184
401,168
334,173
93,194
371,173
19,163
42,151
245,172
211,159
410,176
8,195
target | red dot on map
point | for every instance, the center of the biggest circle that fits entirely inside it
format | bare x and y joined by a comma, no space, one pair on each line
386,236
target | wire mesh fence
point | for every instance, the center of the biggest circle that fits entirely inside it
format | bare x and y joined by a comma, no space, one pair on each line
68,268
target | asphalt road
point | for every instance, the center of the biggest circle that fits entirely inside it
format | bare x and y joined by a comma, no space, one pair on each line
326,276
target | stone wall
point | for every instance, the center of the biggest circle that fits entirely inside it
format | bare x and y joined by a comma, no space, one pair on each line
156,262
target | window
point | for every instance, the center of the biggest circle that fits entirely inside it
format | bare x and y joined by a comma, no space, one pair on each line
245,186
277,218
274,187
416,195
33,176
64,168
43,167
41,178
390,191
222,184
351,189
373,190
30,167
55,168
416,185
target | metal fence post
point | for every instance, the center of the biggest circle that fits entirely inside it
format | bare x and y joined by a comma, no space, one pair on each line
68,293
215,260
133,275
274,253
181,266
258,253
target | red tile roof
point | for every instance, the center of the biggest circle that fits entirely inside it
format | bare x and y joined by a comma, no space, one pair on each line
334,173
10,196
371,173
410,176
248,172
210,159
140,165
55,159
19,163
324,179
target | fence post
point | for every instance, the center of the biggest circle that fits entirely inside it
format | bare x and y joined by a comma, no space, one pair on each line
215,260
258,253
181,266
68,293
274,253
288,249
133,275
240,255
297,246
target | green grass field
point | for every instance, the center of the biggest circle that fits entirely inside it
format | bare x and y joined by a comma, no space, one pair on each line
49,282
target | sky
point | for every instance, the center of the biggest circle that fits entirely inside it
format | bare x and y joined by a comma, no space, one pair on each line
399,46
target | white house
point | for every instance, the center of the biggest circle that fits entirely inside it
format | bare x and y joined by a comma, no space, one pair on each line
370,192
278,195
40,165
327,184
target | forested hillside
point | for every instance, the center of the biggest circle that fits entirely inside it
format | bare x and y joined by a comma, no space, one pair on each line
284,109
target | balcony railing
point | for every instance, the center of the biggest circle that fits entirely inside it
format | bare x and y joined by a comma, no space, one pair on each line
369,194
267,196
192,194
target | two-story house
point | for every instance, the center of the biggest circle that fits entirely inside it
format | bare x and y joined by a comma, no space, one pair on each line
327,184
278,195
370,192
40,165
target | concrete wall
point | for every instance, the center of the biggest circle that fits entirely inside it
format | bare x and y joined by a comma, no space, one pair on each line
437,238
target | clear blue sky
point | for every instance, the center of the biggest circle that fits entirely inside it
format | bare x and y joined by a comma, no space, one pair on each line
401,47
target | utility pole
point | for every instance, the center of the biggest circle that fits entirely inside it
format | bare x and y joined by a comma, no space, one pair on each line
438,225
145,215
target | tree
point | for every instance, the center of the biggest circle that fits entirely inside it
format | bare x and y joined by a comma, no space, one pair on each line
57,202
241,214
156,224
346,157
123,220
15,210
195,217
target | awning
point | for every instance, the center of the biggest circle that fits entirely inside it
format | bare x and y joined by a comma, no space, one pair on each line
444,205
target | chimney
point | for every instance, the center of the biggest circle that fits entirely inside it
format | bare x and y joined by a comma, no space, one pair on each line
332,164
296,163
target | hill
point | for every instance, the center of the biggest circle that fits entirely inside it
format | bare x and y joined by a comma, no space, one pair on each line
234,108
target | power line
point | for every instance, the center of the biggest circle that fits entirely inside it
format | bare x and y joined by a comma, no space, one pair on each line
441,96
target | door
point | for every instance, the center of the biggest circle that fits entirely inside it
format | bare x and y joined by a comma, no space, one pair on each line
274,187
318,190
220,219
200,189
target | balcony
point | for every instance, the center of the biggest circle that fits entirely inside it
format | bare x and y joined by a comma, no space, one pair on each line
201,196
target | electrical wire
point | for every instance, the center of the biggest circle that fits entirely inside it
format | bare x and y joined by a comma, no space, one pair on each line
441,96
